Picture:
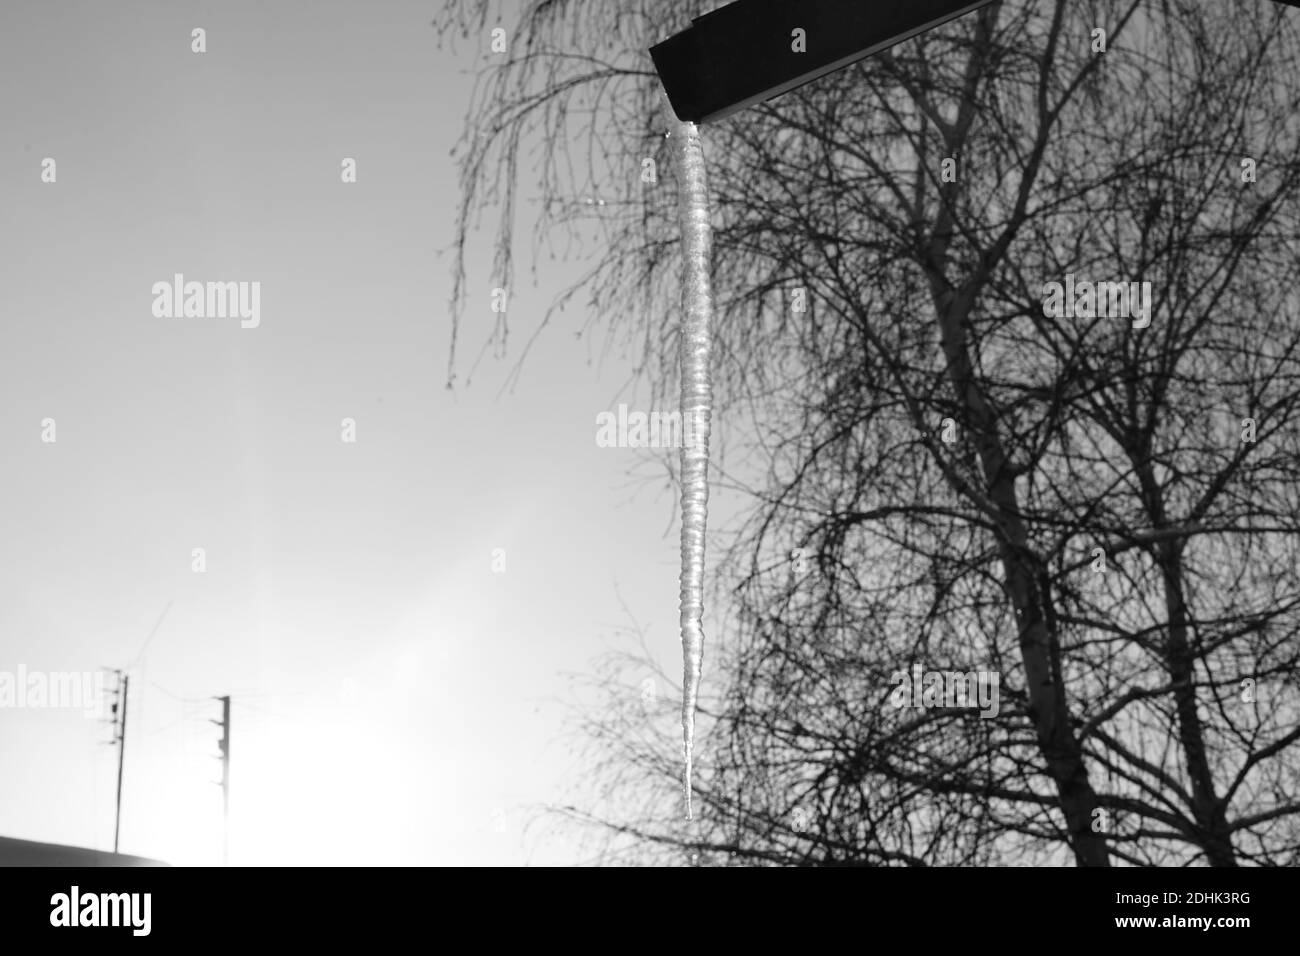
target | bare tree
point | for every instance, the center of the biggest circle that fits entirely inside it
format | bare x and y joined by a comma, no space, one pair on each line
1100,512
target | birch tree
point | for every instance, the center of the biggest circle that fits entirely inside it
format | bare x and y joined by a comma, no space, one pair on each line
1098,509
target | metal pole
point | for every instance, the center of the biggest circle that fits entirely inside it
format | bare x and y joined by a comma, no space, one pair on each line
121,756
224,744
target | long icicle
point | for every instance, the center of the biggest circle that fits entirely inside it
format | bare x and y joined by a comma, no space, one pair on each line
696,408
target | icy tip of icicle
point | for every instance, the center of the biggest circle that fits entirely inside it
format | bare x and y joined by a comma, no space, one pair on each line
687,788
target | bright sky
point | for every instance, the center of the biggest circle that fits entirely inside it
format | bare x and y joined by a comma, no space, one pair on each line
393,695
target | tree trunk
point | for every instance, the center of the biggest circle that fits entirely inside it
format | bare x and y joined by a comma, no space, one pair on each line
1211,820
1039,648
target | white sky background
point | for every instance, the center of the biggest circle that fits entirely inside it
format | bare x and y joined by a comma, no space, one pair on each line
391,692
